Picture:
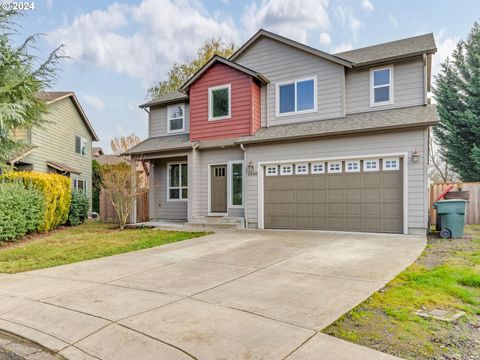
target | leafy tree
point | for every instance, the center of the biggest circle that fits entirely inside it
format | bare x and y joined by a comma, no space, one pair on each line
96,185
180,73
123,143
457,92
22,76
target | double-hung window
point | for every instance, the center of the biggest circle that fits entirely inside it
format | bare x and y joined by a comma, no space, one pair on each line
80,185
219,102
381,86
236,184
177,182
81,145
176,118
296,96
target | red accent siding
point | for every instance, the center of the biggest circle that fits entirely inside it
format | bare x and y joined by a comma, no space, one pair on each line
256,107
243,110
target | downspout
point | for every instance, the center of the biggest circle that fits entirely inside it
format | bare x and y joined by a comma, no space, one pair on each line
425,79
245,219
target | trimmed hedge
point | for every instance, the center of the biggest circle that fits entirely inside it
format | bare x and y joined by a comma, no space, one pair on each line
56,192
21,210
78,208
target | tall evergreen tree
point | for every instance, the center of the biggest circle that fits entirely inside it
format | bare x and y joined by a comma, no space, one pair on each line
22,76
457,92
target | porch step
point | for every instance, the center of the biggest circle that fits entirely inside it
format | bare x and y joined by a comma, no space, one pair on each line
223,222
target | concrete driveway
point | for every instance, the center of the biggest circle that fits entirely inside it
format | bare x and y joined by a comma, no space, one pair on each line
231,295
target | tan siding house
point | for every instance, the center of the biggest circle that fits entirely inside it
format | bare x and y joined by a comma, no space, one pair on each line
63,144
342,144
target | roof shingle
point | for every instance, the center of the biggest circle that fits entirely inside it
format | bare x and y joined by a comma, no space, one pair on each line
161,143
166,99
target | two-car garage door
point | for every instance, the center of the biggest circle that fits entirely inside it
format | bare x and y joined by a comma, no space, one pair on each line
348,195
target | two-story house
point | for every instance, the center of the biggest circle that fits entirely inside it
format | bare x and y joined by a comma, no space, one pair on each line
63,144
282,135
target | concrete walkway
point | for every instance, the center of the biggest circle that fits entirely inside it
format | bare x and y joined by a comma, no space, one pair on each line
231,295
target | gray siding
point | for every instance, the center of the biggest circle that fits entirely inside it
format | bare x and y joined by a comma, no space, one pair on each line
160,208
361,145
55,141
280,62
206,157
157,121
408,86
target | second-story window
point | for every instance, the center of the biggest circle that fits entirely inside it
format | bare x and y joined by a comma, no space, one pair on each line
296,96
176,118
219,102
81,145
381,86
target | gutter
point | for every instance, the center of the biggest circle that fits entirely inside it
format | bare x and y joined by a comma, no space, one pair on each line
245,219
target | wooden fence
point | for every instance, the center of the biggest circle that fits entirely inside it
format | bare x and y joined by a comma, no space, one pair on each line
472,216
107,212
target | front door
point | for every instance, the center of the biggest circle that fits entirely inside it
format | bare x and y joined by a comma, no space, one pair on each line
218,190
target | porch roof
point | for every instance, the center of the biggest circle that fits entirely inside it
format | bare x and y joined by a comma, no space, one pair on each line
161,144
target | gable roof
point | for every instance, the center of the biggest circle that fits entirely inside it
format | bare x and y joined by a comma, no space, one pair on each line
392,50
264,33
219,59
51,97
169,98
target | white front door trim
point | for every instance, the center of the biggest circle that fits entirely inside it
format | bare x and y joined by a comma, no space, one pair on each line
210,213
404,155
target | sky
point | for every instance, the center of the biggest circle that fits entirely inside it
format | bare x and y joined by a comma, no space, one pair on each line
118,49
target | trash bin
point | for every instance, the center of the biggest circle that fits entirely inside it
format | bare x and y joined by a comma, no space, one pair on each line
452,217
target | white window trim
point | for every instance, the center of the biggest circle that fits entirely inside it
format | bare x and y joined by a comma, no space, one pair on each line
365,165
210,108
397,167
82,140
295,81
372,87
75,185
285,166
333,171
271,167
180,187
352,162
230,184
169,131
316,171
301,173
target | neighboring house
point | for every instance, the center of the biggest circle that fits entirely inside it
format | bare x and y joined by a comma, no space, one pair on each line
283,135
96,151
63,144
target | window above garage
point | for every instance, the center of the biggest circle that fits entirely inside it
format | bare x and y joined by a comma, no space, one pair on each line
296,96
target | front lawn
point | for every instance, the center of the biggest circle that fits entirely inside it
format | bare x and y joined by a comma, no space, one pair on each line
446,276
87,241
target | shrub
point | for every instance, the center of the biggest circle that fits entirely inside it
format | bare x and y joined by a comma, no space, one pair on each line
21,210
56,191
78,208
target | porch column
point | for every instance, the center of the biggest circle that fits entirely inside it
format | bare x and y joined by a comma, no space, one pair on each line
192,159
151,190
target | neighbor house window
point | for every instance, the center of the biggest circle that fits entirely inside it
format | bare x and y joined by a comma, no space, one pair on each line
80,185
236,180
352,166
370,165
177,181
176,120
381,86
219,102
297,96
391,164
81,145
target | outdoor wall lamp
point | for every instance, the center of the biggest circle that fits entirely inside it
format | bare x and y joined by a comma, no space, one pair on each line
415,156
250,168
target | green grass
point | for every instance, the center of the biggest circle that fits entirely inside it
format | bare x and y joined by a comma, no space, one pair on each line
446,276
87,241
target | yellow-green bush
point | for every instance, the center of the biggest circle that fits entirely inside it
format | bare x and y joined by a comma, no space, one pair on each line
56,191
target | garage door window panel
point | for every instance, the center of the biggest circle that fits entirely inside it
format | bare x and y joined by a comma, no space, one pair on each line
318,168
371,165
391,164
352,166
301,169
286,169
335,167
272,170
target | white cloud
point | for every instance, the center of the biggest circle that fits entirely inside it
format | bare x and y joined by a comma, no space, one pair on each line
93,101
152,44
295,19
49,4
325,39
445,47
393,20
342,47
348,19
367,6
